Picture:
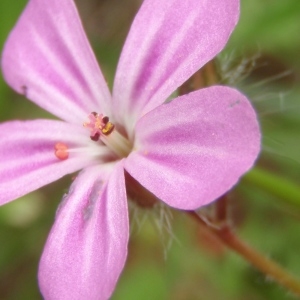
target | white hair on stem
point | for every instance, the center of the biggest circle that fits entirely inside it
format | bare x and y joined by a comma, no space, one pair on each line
160,216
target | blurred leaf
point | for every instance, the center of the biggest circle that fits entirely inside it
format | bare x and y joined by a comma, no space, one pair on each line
9,12
271,25
275,185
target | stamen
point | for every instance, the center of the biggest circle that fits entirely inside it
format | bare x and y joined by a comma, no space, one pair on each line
91,150
101,128
95,137
98,124
108,128
117,143
61,151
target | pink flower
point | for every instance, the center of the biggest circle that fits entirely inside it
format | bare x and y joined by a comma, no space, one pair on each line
187,152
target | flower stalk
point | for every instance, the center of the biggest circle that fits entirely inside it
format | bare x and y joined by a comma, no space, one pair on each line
270,268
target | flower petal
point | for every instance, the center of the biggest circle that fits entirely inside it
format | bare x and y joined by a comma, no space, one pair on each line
87,247
28,158
48,58
168,42
195,148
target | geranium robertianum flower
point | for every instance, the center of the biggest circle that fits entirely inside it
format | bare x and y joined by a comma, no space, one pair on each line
187,152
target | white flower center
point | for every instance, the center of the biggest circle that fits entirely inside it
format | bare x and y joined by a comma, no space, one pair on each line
100,129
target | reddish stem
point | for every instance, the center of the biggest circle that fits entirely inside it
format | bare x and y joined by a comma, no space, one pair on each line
265,265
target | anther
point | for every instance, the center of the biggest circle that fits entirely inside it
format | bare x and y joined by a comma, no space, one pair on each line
98,124
61,151
95,137
105,120
108,128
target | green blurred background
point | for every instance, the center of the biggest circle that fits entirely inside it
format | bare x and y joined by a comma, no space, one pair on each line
183,262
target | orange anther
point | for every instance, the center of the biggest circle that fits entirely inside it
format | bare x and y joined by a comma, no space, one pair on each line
61,151
108,128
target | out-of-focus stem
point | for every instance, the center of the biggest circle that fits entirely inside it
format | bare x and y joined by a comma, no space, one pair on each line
221,210
270,268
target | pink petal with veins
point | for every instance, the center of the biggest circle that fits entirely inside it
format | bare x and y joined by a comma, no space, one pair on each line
168,42
195,148
27,155
87,247
48,58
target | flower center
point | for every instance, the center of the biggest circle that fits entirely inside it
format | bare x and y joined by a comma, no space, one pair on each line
101,128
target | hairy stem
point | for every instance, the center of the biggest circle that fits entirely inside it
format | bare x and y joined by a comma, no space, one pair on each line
221,206
273,270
